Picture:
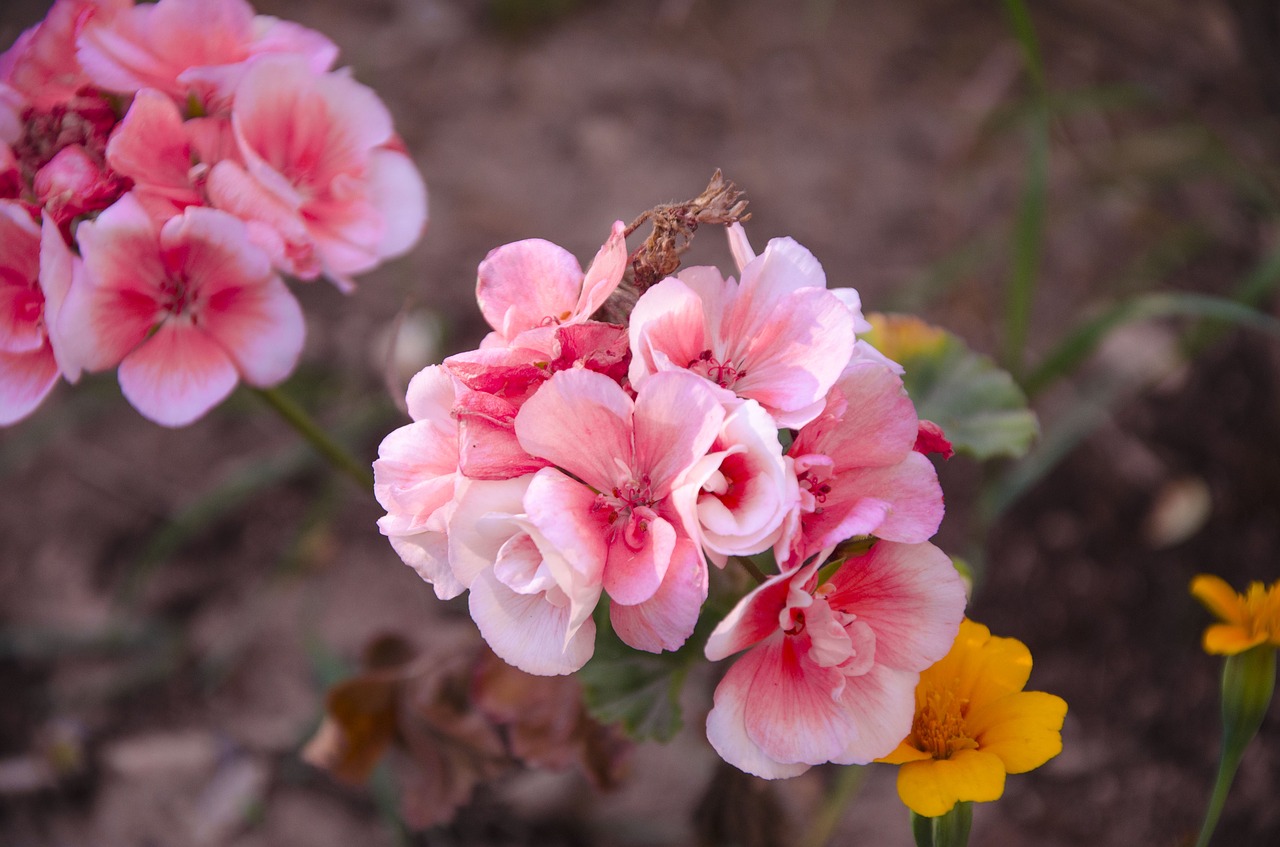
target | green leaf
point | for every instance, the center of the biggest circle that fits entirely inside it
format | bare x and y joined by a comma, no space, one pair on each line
979,406
639,690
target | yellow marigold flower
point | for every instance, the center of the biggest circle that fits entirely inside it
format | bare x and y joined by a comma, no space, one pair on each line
1249,619
974,724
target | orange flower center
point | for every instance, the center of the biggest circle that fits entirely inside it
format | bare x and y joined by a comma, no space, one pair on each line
939,726
1262,611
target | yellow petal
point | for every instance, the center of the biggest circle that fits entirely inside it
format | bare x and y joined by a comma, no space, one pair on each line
1219,598
903,753
931,788
1224,639
980,667
1023,729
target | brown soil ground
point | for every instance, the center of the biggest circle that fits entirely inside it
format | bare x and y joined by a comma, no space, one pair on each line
171,601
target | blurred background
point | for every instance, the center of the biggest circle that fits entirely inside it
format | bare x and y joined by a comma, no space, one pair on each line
174,604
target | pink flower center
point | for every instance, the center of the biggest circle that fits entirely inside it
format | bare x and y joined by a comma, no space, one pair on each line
628,509
723,373
178,296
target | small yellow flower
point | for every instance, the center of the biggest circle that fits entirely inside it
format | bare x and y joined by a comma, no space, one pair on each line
1249,619
974,724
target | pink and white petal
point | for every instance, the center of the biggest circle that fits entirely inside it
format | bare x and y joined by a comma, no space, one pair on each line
431,395
910,487
879,424
727,723
853,302
151,146
740,246
415,472
520,284
527,630
560,510
881,704
177,375
755,617
272,35
676,419
261,328
212,250
909,594
604,273
634,574
667,329
667,619
794,714
482,522
783,267
840,518
581,421
487,444
25,380
59,270
428,554
397,191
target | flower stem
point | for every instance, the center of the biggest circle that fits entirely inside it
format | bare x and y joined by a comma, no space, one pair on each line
332,451
751,568
1248,680
842,789
947,830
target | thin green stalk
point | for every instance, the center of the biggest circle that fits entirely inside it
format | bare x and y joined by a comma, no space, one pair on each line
946,830
750,567
847,783
1028,236
333,452
1248,680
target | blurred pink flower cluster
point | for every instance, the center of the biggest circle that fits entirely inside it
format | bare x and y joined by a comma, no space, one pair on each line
570,459
162,166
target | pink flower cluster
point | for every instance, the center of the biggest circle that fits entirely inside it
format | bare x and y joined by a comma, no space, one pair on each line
162,165
568,459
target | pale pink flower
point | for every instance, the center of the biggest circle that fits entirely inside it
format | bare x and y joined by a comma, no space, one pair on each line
530,603
743,256
608,505
73,183
321,177
858,471
742,490
186,309
31,259
156,149
831,672
41,65
414,480
778,337
536,285
190,48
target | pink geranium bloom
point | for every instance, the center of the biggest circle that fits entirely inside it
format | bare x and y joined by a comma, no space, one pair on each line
41,65
186,309
414,479
536,285
778,337
160,152
858,470
530,603
831,672
321,177
609,504
32,260
190,48
744,489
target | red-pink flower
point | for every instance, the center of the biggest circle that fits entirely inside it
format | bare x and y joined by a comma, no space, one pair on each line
831,671
41,65
321,177
778,337
32,260
190,48
186,309
534,284
858,470
414,479
608,505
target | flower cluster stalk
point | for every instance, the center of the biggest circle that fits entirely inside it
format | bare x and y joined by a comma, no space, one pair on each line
947,830
1248,681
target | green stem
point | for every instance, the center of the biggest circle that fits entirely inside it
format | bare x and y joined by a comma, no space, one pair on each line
333,452
845,785
750,567
1248,681
947,830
